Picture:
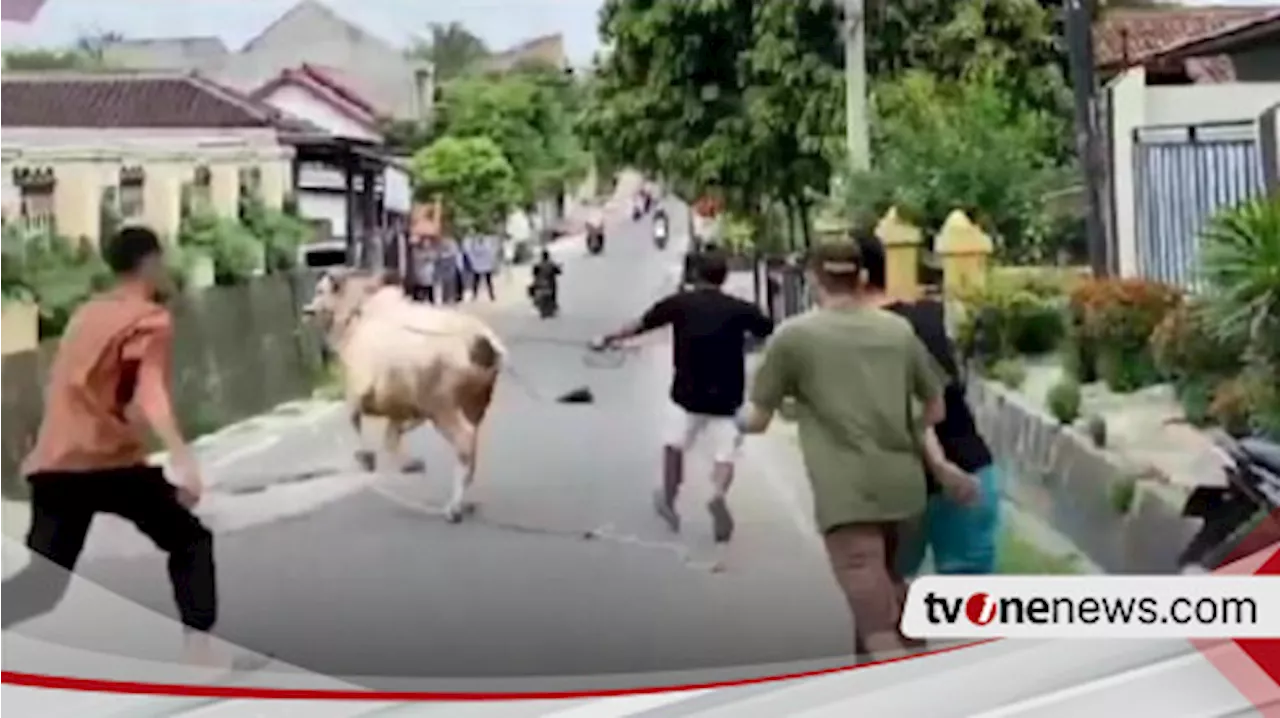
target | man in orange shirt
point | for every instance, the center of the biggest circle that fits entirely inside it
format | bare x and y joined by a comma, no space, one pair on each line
113,368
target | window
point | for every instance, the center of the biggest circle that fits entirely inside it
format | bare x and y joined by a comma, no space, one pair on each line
35,192
250,190
202,188
132,186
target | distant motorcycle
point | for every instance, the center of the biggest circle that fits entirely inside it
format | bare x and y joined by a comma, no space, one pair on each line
660,232
544,300
1231,512
595,240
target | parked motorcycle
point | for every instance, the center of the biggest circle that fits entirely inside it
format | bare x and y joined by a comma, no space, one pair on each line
1233,511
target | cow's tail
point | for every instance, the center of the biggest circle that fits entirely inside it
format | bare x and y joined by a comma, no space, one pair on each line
487,351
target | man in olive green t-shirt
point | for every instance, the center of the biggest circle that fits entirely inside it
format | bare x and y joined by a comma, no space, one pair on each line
855,372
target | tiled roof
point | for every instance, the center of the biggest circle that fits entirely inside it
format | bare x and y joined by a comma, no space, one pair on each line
338,97
159,101
1127,37
344,86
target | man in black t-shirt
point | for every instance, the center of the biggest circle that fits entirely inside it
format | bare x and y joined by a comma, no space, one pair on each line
962,537
710,329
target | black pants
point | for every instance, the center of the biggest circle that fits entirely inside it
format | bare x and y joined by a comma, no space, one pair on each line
425,293
63,506
486,278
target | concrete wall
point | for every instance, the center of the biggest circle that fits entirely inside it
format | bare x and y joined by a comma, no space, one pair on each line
1056,474
85,162
1136,105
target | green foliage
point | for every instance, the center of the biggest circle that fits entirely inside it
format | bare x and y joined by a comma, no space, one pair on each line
56,272
87,54
1010,372
280,232
452,50
473,173
1241,263
1111,324
967,145
738,97
1064,401
1018,43
1187,346
1123,493
524,115
236,253
1096,427
1011,315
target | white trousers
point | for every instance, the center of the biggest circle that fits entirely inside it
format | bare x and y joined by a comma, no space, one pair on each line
720,433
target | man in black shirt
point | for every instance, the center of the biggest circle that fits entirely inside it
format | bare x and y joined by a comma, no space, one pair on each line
710,329
962,537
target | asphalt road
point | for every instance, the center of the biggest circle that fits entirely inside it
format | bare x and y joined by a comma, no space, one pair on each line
564,571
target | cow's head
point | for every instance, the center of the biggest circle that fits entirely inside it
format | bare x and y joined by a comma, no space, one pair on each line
339,294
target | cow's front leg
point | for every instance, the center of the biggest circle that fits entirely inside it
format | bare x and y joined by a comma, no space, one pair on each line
461,435
367,459
393,444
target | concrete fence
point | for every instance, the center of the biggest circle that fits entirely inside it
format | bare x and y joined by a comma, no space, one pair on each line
238,351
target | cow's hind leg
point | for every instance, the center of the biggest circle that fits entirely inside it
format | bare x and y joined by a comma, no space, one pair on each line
393,443
461,435
367,459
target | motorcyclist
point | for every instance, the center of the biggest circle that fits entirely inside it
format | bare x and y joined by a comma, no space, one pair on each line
546,274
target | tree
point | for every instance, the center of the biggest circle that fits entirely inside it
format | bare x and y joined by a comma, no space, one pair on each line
525,120
472,175
942,145
740,97
1018,42
452,49
88,53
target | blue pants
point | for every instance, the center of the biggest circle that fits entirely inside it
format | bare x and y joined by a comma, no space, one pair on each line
962,538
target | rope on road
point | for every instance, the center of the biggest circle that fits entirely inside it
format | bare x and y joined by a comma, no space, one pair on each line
606,532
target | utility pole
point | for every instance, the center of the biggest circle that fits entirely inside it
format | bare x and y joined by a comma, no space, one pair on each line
1079,14
855,77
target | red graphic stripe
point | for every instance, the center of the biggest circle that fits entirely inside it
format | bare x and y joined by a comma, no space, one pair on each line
67,683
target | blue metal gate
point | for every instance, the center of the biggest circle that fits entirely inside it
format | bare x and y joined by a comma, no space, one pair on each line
1183,176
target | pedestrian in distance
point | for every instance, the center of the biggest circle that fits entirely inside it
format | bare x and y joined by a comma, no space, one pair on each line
482,255
109,382
960,533
854,372
425,275
710,329
449,270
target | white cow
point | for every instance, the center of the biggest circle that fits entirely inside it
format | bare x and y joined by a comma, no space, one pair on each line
410,363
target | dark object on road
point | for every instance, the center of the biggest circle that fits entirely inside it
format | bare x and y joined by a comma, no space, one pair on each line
595,240
581,395
1242,517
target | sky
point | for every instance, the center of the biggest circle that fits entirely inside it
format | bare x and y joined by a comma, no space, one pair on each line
500,23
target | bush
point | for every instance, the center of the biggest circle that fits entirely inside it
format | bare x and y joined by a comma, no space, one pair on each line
1185,345
1231,407
281,233
1009,372
1064,401
56,272
236,253
1005,318
1111,323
